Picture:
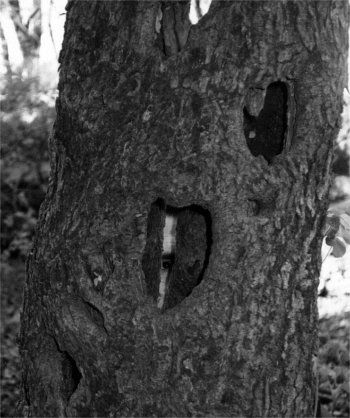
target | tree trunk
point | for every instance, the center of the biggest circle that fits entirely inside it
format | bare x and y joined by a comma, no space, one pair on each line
26,17
14,55
226,127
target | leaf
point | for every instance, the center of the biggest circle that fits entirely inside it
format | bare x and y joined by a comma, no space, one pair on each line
339,247
344,227
331,226
337,232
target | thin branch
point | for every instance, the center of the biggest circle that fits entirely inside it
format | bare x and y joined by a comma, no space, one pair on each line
22,28
50,29
331,248
31,17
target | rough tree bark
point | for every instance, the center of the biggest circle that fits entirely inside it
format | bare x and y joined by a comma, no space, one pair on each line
229,124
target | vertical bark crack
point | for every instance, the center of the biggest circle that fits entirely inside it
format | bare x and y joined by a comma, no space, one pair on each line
175,26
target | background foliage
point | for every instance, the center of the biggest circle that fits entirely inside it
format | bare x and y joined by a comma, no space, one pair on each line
27,115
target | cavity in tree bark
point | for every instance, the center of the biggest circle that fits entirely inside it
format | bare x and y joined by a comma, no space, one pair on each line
236,117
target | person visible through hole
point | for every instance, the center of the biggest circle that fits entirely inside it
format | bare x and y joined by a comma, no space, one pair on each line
168,255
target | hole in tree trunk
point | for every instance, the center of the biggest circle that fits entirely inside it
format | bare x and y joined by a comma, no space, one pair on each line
266,133
65,371
71,375
177,251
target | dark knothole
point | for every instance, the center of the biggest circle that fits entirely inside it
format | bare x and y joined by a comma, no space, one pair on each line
266,133
71,375
177,251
